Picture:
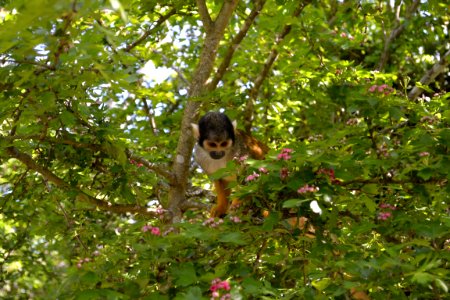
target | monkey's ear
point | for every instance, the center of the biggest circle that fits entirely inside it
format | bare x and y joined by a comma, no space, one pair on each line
234,124
195,131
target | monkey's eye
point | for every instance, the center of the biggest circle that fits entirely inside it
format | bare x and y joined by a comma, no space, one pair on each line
212,144
224,144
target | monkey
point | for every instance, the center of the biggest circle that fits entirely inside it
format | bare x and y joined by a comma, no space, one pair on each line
218,142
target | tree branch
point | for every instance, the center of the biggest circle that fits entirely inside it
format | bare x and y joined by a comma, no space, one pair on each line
429,77
157,168
248,113
80,195
197,87
204,15
396,32
235,44
147,33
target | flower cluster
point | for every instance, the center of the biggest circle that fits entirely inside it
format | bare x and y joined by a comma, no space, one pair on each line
211,222
252,177
137,164
151,229
384,215
387,206
384,88
423,154
235,219
307,189
284,173
216,286
330,174
285,154
160,211
82,261
255,175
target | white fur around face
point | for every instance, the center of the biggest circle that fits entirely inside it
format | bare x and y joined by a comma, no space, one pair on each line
208,164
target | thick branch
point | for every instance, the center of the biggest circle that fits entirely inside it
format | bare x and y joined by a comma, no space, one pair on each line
429,77
248,113
396,32
147,33
235,44
197,88
81,195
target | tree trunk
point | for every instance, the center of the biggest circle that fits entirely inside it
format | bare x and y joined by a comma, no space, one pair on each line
214,33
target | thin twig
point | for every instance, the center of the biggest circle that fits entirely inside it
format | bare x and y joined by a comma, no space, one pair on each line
431,74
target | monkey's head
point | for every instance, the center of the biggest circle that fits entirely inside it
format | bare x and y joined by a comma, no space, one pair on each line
215,133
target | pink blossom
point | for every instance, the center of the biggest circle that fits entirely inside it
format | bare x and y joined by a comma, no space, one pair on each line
241,159
343,35
382,87
422,154
285,154
252,177
384,215
263,170
217,285
153,230
387,206
307,189
156,231
146,228
284,173
235,219
372,88
211,222
225,285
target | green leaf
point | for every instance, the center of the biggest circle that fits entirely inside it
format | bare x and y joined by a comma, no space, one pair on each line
369,203
233,238
185,274
271,221
321,284
423,277
426,173
291,203
444,137
193,293
68,118
370,188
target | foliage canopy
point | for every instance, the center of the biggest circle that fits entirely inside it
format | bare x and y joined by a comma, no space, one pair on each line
99,196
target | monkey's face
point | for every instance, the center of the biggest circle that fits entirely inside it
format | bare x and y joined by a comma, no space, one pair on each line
217,148
215,133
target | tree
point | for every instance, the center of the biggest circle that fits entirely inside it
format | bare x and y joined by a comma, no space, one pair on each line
100,197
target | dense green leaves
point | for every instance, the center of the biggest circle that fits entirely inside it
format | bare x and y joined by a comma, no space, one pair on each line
351,201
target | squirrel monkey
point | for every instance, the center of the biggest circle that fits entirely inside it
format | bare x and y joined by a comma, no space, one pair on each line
218,142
